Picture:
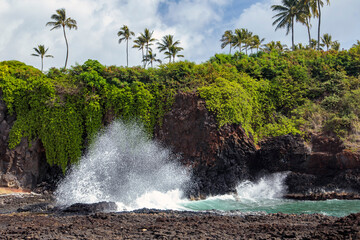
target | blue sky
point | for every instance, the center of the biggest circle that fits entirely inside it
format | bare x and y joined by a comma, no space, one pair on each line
198,24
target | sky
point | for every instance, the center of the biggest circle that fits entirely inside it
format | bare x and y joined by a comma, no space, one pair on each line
197,24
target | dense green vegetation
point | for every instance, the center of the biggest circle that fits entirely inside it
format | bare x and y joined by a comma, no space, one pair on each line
268,93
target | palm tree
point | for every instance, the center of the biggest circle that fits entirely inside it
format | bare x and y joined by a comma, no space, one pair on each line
326,40
320,4
308,10
140,44
125,34
60,20
40,52
288,12
167,43
357,44
335,45
275,46
150,58
256,42
147,37
173,52
227,39
247,39
239,38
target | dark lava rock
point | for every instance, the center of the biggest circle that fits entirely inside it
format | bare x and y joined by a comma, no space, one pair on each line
87,208
39,207
279,154
217,156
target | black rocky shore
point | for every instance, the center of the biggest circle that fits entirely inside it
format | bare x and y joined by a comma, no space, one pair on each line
34,216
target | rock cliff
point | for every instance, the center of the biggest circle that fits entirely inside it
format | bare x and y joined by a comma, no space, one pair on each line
219,157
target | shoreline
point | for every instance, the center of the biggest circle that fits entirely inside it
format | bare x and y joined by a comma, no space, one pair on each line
38,222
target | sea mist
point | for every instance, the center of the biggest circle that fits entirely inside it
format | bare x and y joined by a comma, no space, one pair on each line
124,166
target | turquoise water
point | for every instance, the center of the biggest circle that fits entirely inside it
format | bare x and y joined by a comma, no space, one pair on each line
338,208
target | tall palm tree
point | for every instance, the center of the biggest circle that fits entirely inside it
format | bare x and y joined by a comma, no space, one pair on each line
239,38
60,20
327,41
41,52
320,4
227,39
173,52
166,43
308,9
125,34
247,40
288,12
147,37
140,44
150,58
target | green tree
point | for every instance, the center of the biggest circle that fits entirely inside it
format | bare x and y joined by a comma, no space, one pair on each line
140,44
239,38
60,20
256,42
125,34
327,41
335,45
320,4
357,44
151,58
166,43
275,46
288,12
308,9
148,39
173,52
227,39
41,52
247,40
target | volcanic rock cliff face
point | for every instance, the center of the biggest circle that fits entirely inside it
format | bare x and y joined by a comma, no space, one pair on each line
25,166
219,157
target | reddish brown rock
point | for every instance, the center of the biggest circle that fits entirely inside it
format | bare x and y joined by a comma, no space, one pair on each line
218,156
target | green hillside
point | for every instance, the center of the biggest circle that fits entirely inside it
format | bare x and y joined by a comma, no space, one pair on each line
269,94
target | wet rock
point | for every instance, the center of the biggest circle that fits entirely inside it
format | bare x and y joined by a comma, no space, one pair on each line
87,208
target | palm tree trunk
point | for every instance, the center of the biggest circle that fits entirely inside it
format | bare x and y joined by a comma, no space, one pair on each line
142,53
319,7
42,60
292,33
230,49
127,53
147,52
67,47
308,28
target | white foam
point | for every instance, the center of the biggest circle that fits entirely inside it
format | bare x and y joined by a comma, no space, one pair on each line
268,187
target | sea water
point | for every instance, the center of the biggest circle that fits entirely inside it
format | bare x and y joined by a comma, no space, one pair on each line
124,166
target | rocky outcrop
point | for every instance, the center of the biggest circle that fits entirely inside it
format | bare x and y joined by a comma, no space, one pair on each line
322,164
219,157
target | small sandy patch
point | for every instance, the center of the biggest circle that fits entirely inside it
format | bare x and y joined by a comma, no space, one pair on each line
12,190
